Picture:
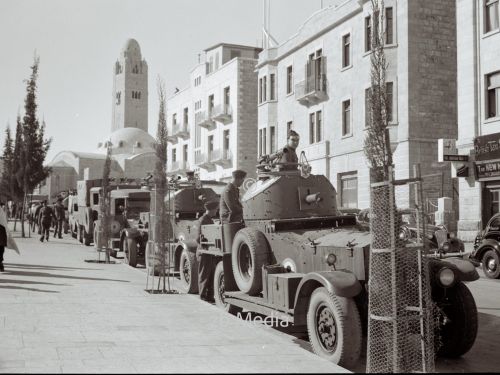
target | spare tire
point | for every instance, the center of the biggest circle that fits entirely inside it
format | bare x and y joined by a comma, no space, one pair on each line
250,252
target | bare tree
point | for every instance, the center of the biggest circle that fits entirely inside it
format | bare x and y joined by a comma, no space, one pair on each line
377,142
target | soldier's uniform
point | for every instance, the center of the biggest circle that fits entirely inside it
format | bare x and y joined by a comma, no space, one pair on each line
205,261
287,155
231,210
46,215
60,215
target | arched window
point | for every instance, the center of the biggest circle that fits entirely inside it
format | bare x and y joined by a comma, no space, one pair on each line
120,144
133,94
137,144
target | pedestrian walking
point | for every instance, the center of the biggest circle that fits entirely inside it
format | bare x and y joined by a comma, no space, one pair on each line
6,239
231,210
36,219
60,215
206,262
46,215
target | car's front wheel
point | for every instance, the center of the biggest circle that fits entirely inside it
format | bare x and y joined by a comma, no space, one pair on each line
458,328
491,264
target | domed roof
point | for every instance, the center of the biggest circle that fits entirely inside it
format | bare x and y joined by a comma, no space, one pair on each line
129,141
132,46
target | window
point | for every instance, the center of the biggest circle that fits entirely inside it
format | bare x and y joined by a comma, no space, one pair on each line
389,26
264,88
185,152
262,141
493,93
346,50
210,144
368,33
211,64
367,107
174,155
210,104
272,87
186,116
346,117
389,95
349,190
312,125
491,15
95,198
319,124
225,145
217,61
289,79
260,90
272,139
197,81
289,126
118,98
376,21
174,119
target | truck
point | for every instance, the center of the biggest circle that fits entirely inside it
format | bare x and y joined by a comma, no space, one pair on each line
84,206
296,258
185,203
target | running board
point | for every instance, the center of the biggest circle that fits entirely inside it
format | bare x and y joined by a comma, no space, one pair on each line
256,304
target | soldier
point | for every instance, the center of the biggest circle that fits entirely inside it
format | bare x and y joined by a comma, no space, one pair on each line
205,261
287,154
46,215
60,215
231,210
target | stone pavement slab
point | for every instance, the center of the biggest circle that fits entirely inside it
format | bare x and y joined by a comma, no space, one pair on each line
59,314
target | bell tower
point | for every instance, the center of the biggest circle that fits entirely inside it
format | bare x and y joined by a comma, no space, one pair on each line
130,89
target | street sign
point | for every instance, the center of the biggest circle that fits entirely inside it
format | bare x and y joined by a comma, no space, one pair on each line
462,158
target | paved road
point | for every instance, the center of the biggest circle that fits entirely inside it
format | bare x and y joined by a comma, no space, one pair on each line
61,314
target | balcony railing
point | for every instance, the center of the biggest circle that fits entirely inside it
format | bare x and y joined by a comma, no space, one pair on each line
204,119
178,167
204,161
171,137
223,113
181,130
222,157
312,90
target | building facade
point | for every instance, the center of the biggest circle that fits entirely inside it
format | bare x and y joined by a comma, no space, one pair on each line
317,83
478,41
212,123
132,147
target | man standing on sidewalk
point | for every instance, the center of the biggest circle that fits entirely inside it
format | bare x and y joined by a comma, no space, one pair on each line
60,216
46,215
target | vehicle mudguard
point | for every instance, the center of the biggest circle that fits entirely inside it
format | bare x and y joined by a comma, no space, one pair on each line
464,270
486,244
340,283
189,245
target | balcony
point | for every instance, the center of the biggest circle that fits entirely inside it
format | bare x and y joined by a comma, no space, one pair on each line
171,137
181,130
204,161
223,113
224,158
312,90
204,119
178,167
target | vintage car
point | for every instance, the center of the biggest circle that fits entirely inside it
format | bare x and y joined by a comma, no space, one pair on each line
487,248
438,237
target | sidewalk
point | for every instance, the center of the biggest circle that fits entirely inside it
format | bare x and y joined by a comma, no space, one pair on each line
59,314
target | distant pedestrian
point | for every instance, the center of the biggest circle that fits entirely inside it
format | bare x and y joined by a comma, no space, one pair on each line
60,215
6,239
36,219
46,215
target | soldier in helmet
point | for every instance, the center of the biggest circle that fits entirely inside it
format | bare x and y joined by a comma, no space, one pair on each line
205,261
231,210
287,154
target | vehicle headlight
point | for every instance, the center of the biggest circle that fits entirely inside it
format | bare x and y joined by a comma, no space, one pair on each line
446,277
446,246
404,234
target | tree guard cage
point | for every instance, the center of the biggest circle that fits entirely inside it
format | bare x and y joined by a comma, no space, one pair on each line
401,314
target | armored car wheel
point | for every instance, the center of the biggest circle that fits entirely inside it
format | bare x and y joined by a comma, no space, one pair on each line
219,289
130,251
458,328
334,328
250,252
491,264
188,267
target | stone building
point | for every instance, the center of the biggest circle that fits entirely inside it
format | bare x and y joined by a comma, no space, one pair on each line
212,123
317,81
132,146
478,51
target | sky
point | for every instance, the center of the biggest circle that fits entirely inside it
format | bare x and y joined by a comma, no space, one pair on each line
78,42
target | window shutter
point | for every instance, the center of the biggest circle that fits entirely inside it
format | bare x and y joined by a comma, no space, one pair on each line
494,81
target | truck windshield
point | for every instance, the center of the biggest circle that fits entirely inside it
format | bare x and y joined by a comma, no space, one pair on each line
135,207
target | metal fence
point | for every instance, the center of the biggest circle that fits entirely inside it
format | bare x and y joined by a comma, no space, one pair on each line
402,315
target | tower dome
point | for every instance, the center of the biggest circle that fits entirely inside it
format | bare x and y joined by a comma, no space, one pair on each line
132,47
128,141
